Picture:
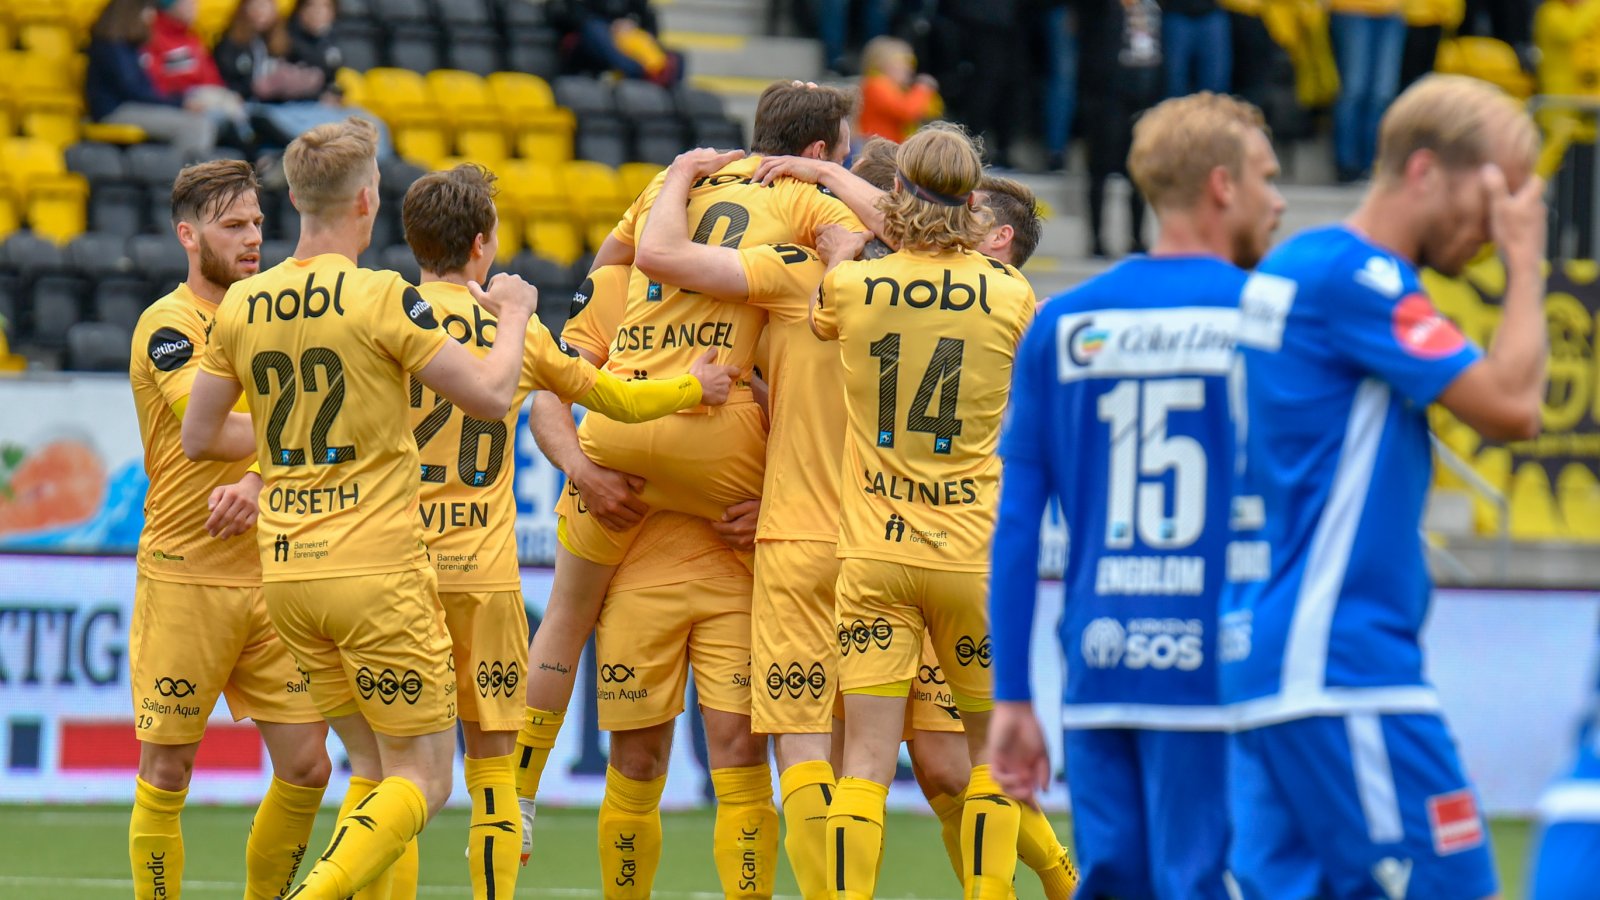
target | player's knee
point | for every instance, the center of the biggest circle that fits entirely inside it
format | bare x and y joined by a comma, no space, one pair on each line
166,767
640,755
730,744
308,766
938,773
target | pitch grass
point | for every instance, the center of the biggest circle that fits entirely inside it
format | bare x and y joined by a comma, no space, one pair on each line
67,853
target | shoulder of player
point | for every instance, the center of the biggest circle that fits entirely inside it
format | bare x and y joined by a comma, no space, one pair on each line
1007,268
1332,262
171,311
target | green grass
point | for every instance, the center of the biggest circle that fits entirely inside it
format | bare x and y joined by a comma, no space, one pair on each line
66,853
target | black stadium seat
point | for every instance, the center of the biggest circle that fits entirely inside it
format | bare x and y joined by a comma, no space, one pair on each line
396,11
386,228
397,257
603,142
465,12
644,100
694,103
537,55
31,256
155,164
121,300
521,12
274,252
56,304
11,306
160,259
98,347
99,255
360,45
472,50
414,49
118,209
724,134
395,177
101,163
585,96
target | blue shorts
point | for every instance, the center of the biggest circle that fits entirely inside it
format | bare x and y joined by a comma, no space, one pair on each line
1566,865
1359,806
1149,813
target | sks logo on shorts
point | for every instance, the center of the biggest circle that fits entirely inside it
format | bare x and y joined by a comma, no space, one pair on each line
388,686
1102,643
895,528
280,548
862,636
969,651
170,349
176,688
1422,331
616,674
796,680
498,679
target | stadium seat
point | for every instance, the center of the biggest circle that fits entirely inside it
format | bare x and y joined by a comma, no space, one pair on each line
535,52
155,165
397,257
655,141
585,96
160,259
555,238
694,103
57,40
26,159
101,163
518,93
595,192
402,99
10,213
532,189
274,252
515,13
553,279
386,228
541,130
644,100
395,178
466,12
395,11
414,49
117,209
472,49
99,255
360,46
479,127
603,142
98,347
509,231
31,256
659,134
724,134
635,177
1579,495
1533,509
10,305
54,117
56,304
1493,465
120,301
57,207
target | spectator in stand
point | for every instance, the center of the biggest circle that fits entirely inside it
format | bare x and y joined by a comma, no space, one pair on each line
1121,77
118,89
286,97
833,27
619,36
894,98
1558,27
1059,24
1368,41
179,64
990,57
1199,52
311,40
1426,23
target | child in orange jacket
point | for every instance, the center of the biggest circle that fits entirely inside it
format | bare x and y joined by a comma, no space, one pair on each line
894,98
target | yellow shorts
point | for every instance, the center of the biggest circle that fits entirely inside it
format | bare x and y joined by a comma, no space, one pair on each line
190,643
489,642
793,654
885,612
932,707
647,639
671,455
373,644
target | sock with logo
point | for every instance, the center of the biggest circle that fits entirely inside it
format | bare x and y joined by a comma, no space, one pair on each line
494,847
379,888
745,840
989,824
1042,852
278,838
367,841
807,789
630,836
155,840
401,878
538,735
948,809
854,839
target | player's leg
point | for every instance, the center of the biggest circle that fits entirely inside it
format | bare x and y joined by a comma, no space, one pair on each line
1270,855
1107,820
794,663
745,839
958,622
630,815
1563,864
181,646
880,640
1185,808
942,767
489,637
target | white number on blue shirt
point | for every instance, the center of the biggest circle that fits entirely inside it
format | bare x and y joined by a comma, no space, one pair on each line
1136,413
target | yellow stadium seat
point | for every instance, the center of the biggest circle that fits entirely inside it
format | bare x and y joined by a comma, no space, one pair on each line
354,86
541,130
1493,465
1488,59
1533,509
28,160
533,190
1579,495
420,140
517,93
212,19
555,239
10,217
55,39
548,138
509,230
56,118
401,98
595,191
57,206
113,133
483,140
636,176
460,94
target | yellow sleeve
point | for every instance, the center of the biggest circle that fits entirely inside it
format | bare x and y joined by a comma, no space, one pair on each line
172,353
824,316
627,230
781,278
641,401
812,207
218,358
597,310
547,367
405,327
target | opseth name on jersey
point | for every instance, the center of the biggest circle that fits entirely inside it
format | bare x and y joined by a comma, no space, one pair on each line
313,501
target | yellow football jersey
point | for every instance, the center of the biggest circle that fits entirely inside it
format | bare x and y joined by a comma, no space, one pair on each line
323,349
675,548
468,509
666,329
597,310
805,378
928,341
167,346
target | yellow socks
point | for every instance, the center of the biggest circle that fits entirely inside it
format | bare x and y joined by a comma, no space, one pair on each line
745,841
538,735
989,825
1042,852
630,836
401,878
854,840
807,789
378,888
948,809
278,837
494,847
366,841
155,841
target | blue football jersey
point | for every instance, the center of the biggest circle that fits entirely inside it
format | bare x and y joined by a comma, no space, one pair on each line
1121,401
1339,369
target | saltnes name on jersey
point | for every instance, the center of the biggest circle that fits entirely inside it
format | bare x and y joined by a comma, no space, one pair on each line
1163,575
963,491
955,296
687,334
314,301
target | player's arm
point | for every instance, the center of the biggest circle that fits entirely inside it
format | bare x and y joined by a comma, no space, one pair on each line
836,245
611,496
617,248
485,388
1501,394
211,430
666,254
613,252
856,193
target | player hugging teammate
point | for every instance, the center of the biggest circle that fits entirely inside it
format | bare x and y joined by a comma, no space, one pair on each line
1227,572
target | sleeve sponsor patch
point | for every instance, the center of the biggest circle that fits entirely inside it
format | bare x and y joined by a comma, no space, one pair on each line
1422,331
580,299
170,349
1453,818
417,309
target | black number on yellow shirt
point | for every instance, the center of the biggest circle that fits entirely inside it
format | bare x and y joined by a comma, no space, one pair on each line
790,254
473,431
276,362
943,375
737,217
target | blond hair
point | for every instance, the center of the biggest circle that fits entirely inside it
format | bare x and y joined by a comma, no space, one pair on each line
880,51
940,161
1178,142
1457,118
329,164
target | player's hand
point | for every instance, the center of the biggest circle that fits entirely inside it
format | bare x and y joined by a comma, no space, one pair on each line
506,293
1017,752
610,496
837,244
716,380
799,168
703,161
234,508
738,526
1517,222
